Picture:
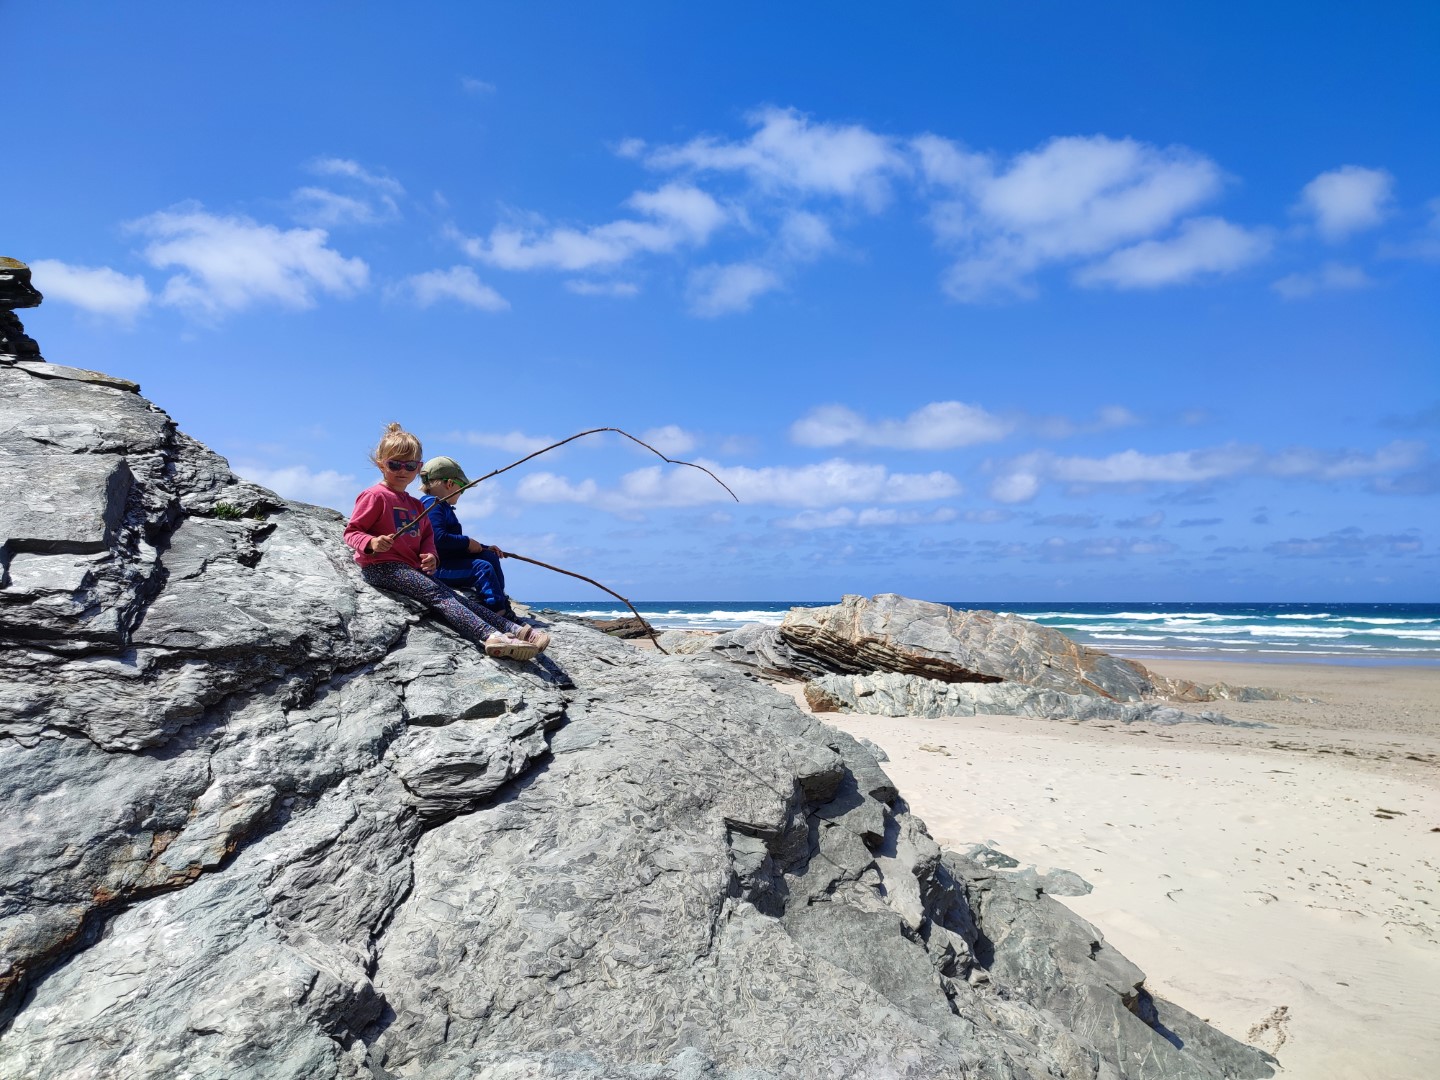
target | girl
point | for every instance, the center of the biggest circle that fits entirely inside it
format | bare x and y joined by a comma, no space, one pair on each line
400,561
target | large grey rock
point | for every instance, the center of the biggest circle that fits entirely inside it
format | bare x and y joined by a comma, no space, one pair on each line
263,821
891,694
915,637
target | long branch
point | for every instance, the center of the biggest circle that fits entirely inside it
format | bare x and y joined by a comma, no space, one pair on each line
536,562
415,523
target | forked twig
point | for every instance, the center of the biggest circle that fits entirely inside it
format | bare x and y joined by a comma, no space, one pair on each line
536,562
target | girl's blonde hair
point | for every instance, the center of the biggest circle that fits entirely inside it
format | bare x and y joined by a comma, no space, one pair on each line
397,443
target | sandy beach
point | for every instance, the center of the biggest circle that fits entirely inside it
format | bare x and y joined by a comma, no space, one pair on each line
1283,882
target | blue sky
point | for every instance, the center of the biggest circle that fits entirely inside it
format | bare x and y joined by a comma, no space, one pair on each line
1011,302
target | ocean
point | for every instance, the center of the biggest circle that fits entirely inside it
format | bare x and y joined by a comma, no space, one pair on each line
1278,633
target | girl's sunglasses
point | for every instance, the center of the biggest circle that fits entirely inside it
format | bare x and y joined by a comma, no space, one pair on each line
408,466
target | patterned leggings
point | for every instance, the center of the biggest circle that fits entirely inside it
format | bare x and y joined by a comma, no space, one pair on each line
470,617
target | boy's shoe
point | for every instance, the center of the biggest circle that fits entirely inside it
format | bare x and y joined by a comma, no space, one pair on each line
534,636
509,648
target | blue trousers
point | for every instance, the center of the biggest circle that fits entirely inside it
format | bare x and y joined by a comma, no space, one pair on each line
481,575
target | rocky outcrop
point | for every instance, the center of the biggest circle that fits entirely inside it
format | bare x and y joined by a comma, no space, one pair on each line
890,694
263,821
915,637
627,629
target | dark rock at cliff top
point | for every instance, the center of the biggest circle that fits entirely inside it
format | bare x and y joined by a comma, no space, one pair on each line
265,821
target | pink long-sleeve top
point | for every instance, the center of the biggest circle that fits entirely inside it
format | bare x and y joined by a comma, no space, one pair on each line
379,512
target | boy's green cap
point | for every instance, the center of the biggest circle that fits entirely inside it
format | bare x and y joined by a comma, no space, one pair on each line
443,468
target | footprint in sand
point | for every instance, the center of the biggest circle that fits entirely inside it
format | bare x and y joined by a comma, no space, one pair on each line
1271,1033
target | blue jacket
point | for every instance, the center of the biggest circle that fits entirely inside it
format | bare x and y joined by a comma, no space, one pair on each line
452,545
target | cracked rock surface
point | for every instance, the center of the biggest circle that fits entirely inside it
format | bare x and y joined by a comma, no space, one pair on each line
263,821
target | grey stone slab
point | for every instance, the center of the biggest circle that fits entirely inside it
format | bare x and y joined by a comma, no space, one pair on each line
62,504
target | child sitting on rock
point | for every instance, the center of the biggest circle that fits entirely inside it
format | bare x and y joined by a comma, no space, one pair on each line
465,564
401,561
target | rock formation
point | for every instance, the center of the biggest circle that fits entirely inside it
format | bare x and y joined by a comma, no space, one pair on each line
915,637
891,694
263,821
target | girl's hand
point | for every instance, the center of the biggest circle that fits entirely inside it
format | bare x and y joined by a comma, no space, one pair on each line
381,544
476,547
427,562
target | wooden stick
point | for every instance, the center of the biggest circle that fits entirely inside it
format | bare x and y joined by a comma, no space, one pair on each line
536,562
415,524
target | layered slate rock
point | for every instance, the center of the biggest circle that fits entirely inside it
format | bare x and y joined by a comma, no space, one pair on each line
914,637
264,821
892,694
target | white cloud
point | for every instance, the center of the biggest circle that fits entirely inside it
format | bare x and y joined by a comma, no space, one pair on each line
1016,486
229,263
1332,277
513,442
828,483
619,289
678,215
670,440
1019,480
327,209
1057,549
1202,246
547,487
326,487
1072,198
459,283
478,87
940,425
721,290
372,200
870,517
97,289
353,170
1346,200
804,236
790,152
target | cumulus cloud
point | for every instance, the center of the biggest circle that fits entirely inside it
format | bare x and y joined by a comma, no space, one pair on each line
723,290
830,483
1346,200
1202,246
230,262
1071,199
940,425
459,283
670,440
671,217
1020,479
96,289
1332,277
789,152
325,487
